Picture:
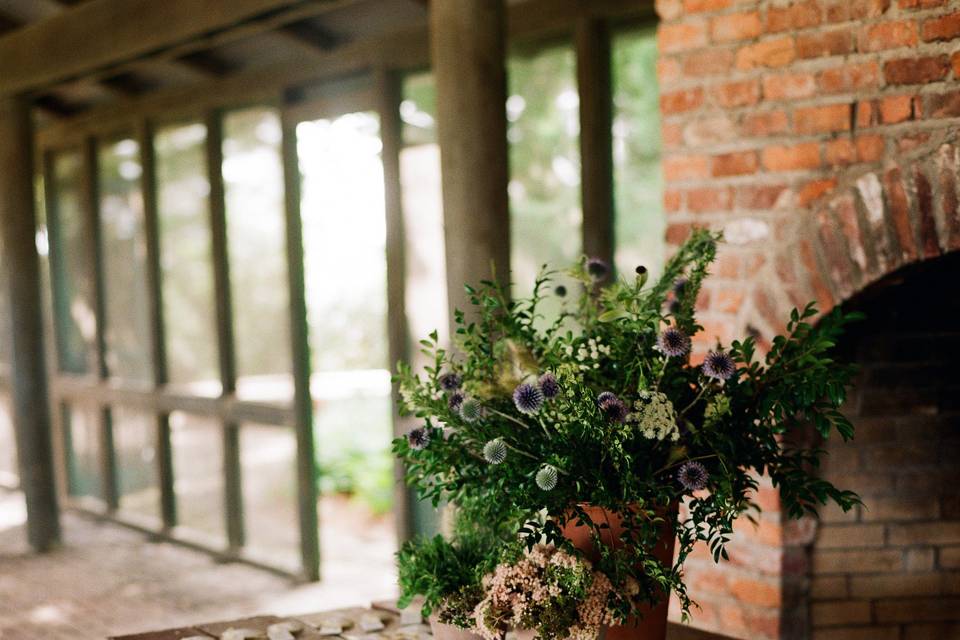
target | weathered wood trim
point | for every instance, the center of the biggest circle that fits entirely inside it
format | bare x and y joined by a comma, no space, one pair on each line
21,265
158,343
595,84
228,408
226,344
389,95
300,350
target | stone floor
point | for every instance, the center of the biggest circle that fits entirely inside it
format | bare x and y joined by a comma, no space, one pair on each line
106,579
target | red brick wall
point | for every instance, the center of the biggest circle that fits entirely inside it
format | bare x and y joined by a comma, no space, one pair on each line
819,135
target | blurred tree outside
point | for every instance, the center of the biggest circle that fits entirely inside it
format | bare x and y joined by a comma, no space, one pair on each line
639,221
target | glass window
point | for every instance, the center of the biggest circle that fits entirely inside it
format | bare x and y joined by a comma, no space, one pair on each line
183,191
344,229
135,443
127,325
74,315
197,444
81,431
638,183
269,476
543,132
426,278
256,232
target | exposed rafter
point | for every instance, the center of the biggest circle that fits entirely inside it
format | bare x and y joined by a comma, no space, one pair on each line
311,34
62,47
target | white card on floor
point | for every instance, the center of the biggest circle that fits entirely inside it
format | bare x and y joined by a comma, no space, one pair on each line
410,615
371,622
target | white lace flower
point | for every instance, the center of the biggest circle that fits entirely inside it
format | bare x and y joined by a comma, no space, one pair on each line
656,417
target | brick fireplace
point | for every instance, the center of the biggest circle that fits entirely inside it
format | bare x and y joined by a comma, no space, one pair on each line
821,136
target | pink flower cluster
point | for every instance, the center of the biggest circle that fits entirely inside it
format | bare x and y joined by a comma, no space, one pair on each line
515,593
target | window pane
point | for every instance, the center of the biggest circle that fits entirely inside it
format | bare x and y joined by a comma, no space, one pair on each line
124,261
253,183
9,471
74,316
198,473
182,199
269,473
344,224
543,132
639,223
135,442
426,278
81,429
344,231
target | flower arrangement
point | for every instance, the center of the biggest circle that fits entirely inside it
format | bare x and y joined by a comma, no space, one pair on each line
529,423
547,589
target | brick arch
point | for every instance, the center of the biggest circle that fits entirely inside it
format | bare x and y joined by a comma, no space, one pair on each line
853,236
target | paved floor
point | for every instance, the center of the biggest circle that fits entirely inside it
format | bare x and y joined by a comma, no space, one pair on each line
109,580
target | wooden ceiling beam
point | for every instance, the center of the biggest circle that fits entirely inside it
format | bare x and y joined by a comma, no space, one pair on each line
312,35
101,33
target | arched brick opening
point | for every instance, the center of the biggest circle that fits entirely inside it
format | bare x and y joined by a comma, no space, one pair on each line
885,244
875,228
891,568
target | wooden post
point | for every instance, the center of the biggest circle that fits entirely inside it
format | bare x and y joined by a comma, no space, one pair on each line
158,343
300,348
596,136
388,101
233,486
31,411
467,49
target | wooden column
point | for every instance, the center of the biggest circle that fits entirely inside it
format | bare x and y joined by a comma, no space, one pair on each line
467,50
300,348
596,136
389,92
31,411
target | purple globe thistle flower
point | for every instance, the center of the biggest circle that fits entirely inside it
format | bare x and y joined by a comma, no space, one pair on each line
450,381
605,396
674,306
680,286
597,269
692,476
527,398
418,438
718,365
560,290
549,386
673,342
613,408
455,400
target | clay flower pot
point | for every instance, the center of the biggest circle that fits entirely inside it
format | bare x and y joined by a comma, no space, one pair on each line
652,624
443,631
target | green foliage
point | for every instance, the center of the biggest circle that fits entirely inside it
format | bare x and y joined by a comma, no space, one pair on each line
736,428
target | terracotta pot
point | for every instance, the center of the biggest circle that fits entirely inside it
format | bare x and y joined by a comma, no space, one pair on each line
652,624
442,631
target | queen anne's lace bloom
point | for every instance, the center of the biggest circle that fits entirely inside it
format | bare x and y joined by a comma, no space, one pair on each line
656,417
